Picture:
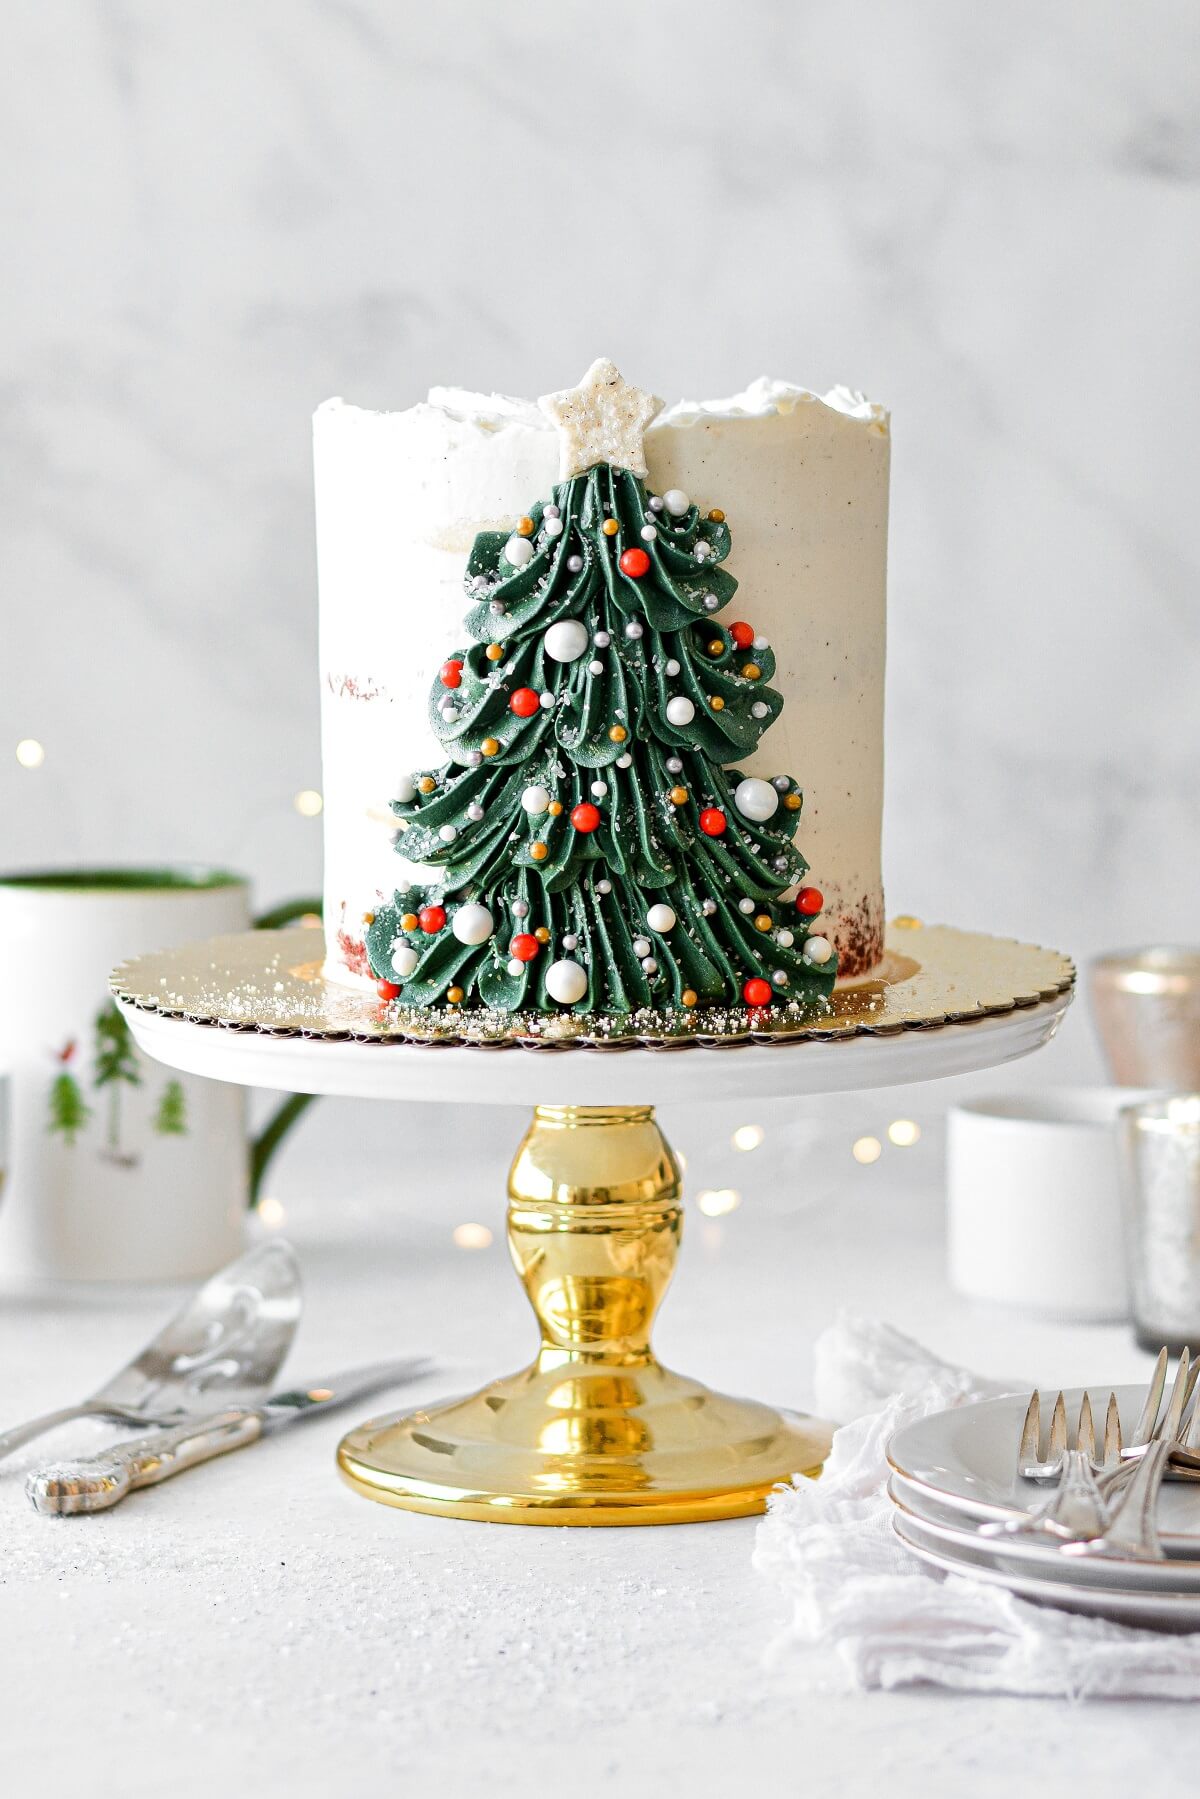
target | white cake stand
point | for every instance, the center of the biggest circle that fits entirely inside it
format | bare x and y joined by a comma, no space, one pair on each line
595,1431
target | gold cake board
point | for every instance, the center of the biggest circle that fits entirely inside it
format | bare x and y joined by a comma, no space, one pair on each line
595,1431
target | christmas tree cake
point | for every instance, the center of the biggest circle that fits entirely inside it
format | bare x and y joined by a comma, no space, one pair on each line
596,831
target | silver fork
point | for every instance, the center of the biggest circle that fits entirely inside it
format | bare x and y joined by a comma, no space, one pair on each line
1171,1428
1131,1532
1033,1465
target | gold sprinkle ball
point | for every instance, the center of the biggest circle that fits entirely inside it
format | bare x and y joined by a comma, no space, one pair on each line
525,526
678,796
689,996
554,808
716,646
610,527
751,671
539,851
426,784
368,918
542,934
494,652
717,703
454,996
617,734
792,802
489,746
716,516
409,922
763,922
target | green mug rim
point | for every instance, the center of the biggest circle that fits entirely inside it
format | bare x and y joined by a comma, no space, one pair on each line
196,877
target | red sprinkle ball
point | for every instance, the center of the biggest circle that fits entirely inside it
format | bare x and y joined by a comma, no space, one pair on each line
432,919
524,947
634,563
742,634
451,672
712,821
585,817
757,992
387,990
809,900
524,702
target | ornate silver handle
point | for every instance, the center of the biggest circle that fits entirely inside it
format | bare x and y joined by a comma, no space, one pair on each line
103,1480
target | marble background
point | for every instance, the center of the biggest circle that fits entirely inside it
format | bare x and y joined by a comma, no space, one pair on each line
988,217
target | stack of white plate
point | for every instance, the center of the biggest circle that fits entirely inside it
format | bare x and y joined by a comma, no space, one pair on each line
956,1470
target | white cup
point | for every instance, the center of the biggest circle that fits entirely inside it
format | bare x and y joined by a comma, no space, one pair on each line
1034,1214
119,1168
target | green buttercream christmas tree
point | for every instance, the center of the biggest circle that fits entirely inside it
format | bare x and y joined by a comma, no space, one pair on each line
589,846
170,1120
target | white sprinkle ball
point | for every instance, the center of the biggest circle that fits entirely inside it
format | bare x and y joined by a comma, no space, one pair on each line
599,789
602,640
785,938
566,982
709,907
574,564
472,923
780,978
515,967
404,958
447,833
672,667
595,667
674,765
535,800
756,800
552,527
762,643
649,533
474,812
625,761
570,941
680,711
545,701
759,709
633,628
518,551
656,504
746,905
406,790
676,502
711,602
649,965
817,950
661,917
603,886
566,640
520,908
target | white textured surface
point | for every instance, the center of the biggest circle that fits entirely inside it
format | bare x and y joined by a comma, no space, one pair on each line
986,216
258,1624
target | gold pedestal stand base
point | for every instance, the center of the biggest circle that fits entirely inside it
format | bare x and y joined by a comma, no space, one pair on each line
596,1431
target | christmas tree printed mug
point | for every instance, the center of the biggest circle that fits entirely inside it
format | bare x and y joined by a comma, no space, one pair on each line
117,1168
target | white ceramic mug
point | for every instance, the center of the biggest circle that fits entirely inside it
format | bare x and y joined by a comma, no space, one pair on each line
1034,1212
119,1168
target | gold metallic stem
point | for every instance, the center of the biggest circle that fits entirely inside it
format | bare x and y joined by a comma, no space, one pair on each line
595,1431
594,1223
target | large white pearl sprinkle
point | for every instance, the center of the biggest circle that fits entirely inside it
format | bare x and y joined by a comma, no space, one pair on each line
625,761
784,938
406,790
602,640
552,527
672,666
680,711
447,833
515,967
596,667
518,551
641,946
760,709
598,789
535,800
818,950
520,908
746,905
404,959
472,923
570,941
661,918
566,982
633,628
545,701
649,533
566,640
649,965
756,800
676,502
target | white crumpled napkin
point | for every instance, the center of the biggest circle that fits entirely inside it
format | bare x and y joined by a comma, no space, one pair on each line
870,1613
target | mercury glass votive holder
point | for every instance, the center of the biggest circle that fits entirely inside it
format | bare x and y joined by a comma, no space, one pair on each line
1160,1187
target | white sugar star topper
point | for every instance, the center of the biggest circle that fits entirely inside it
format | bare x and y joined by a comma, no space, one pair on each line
601,420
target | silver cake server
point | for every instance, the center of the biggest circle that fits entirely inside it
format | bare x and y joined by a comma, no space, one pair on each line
226,1345
101,1481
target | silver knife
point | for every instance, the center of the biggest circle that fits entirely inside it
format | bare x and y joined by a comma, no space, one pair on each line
101,1481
